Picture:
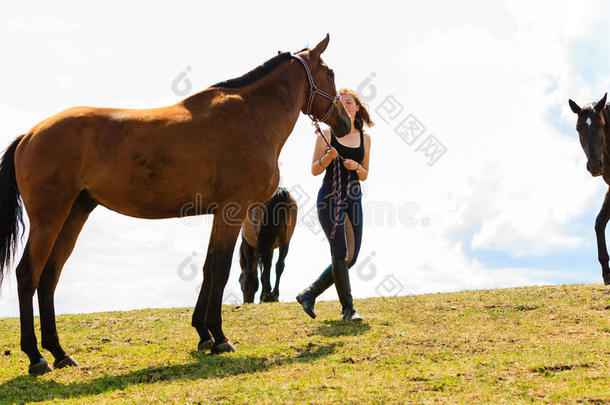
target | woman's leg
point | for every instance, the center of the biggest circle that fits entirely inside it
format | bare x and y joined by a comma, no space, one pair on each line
326,214
350,220
307,298
341,250
353,233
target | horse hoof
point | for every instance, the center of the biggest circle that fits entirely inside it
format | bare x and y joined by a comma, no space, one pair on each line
267,297
223,347
607,279
40,368
204,346
65,362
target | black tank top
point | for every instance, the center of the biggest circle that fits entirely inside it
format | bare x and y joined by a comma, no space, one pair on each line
356,154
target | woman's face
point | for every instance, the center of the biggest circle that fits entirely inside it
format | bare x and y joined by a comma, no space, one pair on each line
350,104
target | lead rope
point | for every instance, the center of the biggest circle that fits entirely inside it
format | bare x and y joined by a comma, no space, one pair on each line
341,199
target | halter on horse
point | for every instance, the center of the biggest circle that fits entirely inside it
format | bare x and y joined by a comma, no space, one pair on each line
313,90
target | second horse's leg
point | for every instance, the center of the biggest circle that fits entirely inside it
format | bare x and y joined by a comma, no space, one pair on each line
279,269
248,279
266,259
600,229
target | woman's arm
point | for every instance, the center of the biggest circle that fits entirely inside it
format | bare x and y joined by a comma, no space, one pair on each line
363,168
321,159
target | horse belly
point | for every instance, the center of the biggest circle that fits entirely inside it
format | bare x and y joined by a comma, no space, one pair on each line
162,184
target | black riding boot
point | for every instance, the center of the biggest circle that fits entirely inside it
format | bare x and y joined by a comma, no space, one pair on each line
341,277
307,298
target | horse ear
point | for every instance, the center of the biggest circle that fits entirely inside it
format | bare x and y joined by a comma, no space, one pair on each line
574,107
321,47
601,104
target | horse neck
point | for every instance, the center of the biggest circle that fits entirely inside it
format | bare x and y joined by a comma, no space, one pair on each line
275,101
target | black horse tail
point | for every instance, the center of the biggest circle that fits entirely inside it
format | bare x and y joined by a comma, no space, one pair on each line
274,220
11,211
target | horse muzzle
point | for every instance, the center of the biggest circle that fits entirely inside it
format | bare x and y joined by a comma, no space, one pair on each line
343,127
595,170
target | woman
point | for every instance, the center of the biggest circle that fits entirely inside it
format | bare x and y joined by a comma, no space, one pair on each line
343,228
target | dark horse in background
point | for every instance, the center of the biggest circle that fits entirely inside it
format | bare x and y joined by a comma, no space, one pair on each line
593,126
266,228
219,146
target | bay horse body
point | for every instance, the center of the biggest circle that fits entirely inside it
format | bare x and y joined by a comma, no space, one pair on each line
593,126
219,147
265,229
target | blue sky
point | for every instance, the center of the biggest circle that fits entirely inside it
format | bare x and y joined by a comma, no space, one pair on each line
588,61
508,204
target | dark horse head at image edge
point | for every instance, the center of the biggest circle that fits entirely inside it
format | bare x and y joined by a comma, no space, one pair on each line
591,127
593,132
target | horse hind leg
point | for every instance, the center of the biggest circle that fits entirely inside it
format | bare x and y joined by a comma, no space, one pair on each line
46,221
63,247
266,260
248,279
279,269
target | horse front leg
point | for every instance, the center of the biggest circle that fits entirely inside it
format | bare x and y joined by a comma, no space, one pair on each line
225,229
600,232
201,308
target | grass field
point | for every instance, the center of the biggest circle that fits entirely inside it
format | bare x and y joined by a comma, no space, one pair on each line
540,344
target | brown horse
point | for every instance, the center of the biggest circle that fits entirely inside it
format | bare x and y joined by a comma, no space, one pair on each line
219,147
266,228
593,126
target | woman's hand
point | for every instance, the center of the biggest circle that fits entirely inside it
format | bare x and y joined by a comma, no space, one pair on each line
323,154
350,164
332,153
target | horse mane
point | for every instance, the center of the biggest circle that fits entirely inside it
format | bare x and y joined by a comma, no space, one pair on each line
255,73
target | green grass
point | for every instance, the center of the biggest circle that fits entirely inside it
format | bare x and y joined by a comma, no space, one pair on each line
538,344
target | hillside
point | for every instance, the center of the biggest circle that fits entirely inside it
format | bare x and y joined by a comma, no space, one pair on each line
549,344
